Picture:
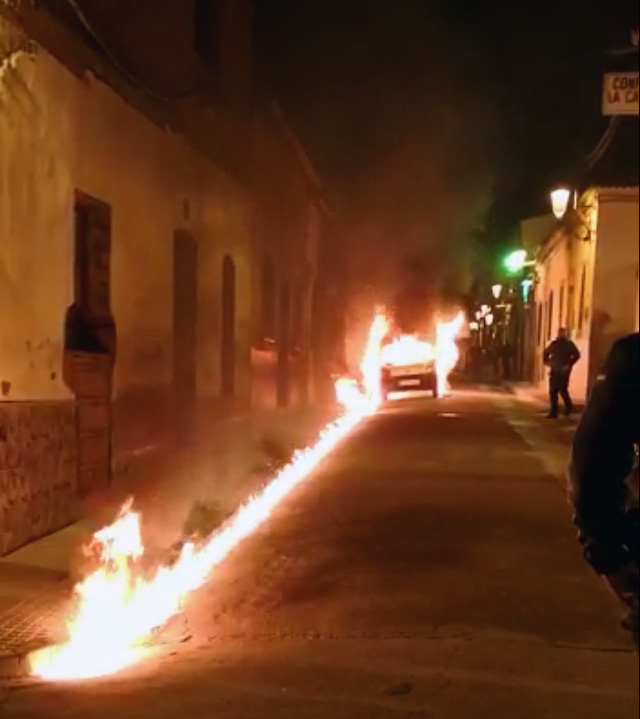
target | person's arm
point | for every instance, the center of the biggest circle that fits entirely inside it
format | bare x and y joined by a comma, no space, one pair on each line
546,357
602,460
575,354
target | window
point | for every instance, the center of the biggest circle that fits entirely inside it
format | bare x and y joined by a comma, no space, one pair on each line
583,298
89,325
93,256
208,16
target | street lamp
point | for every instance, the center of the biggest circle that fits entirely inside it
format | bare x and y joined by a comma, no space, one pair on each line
516,262
560,202
526,288
497,291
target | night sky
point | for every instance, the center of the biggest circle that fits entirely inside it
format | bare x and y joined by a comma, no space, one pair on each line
424,116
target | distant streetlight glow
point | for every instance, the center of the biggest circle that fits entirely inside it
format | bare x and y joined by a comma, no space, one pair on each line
489,319
526,289
474,326
560,202
497,291
516,261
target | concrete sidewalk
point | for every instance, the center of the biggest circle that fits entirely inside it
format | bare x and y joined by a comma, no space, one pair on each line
532,394
563,428
528,392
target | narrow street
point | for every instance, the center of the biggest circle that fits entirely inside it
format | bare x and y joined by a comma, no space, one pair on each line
429,569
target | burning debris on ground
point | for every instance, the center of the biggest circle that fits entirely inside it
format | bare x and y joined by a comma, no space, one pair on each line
201,201
124,600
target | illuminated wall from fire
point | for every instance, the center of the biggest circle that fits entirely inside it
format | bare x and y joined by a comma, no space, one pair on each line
59,134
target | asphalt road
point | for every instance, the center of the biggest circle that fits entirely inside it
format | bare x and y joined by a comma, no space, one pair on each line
429,569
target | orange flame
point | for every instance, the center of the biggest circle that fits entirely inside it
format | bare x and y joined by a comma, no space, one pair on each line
408,350
371,366
447,351
348,393
121,604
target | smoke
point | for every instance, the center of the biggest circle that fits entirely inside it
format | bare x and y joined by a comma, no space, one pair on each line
413,221
394,110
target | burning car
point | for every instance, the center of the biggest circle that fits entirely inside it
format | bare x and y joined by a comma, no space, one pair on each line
408,364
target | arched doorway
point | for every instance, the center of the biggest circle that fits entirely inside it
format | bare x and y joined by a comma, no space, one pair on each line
269,309
284,346
185,324
228,344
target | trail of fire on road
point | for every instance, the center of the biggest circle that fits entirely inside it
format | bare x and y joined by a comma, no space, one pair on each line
121,604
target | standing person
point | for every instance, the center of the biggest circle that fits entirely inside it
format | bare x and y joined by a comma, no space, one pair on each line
560,357
604,477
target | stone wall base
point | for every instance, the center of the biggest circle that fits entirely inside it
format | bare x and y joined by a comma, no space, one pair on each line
38,470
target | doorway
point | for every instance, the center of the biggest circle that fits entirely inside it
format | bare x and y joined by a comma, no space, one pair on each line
90,343
185,323
228,344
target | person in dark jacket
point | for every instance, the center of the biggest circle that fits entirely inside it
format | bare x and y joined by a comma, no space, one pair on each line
604,476
560,357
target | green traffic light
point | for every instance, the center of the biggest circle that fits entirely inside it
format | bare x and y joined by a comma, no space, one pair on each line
516,261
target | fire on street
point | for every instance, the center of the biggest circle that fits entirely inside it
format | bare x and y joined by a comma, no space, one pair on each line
120,604
408,579
292,295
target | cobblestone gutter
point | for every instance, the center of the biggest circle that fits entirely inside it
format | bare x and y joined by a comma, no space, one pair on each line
26,626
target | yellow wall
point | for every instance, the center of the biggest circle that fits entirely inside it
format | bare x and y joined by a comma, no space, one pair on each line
63,131
616,278
603,246
59,134
563,266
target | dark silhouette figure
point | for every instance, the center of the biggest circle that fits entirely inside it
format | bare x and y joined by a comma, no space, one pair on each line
561,356
604,477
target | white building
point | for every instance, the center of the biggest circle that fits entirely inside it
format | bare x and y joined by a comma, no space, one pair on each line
587,280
